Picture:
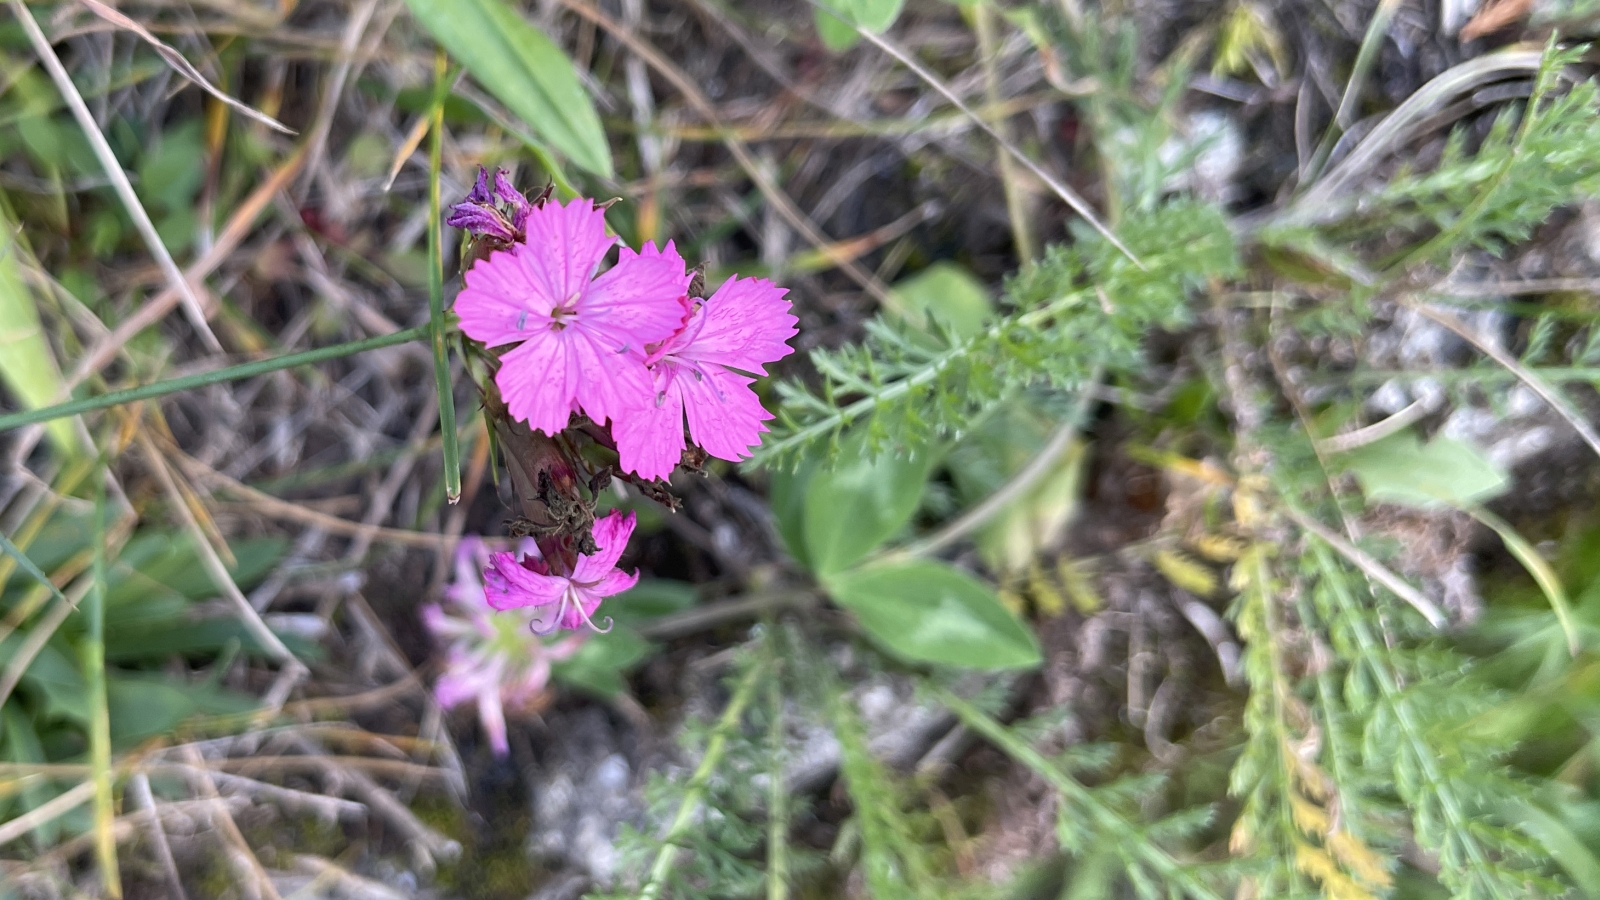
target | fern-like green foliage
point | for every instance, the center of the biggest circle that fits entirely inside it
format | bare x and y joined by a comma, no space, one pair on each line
1084,308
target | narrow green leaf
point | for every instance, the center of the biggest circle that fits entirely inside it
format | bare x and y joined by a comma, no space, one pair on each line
190,382
27,366
27,565
927,611
523,69
849,511
92,655
1543,574
451,449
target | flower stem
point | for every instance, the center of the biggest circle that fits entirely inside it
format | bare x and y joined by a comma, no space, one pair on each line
436,321
702,775
189,382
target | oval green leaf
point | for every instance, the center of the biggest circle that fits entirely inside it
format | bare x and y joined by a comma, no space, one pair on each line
926,611
523,69
859,504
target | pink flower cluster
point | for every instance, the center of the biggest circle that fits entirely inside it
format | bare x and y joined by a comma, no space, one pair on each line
627,346
490,659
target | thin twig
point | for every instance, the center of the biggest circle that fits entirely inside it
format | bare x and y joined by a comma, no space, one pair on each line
1067,194
192,306
1374,569
1022,482
1510,364
139,791
1377,431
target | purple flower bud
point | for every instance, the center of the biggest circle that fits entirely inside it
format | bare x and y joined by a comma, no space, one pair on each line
500,213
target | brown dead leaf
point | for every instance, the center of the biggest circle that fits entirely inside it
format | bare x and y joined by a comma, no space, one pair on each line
1493,17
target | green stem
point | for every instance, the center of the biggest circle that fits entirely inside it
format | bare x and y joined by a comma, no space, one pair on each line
436,321
1130,839
777,800
189,382
93,655
695,793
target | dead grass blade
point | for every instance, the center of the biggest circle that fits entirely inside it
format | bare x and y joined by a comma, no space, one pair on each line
1375,570
1067,194
183,67
48,811
1538,385
119,179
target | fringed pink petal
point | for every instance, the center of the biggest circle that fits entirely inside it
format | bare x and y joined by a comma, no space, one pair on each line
724,415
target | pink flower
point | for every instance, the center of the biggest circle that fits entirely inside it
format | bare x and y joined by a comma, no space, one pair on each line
743,326
563,601
582,337
490,657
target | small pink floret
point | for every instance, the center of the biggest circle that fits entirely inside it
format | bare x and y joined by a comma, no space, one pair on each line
563,601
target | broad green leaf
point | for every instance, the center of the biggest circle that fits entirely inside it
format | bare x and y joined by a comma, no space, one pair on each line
651,598
859,504
873,15
926,611
21,745
600,663
53,678
1445,471
523,69
146,705
949,293
27,366
786,494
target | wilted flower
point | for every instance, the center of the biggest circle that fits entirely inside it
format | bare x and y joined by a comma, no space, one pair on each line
490,657
563,601
501,213
582,337
741,328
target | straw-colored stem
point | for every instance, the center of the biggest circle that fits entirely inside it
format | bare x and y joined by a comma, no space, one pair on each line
92,654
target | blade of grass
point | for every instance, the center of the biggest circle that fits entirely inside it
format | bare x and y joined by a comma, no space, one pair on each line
436,321
26,364
202,379
92,653
119,179
27,565
1365,57
1537,566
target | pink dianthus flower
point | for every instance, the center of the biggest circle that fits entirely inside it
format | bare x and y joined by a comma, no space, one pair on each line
490,658
696,373
582,337
563,601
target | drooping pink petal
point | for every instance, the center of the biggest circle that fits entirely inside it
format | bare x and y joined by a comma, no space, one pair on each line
611,534
744,325
725,416
508,584
492,715
650,438
565,244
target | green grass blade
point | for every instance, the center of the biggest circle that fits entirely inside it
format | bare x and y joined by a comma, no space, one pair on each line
190,382
27,565
1549,582
523,69
92,653
436,322
27,367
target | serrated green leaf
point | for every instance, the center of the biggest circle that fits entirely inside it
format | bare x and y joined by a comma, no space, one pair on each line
926,611
523,69
1448,472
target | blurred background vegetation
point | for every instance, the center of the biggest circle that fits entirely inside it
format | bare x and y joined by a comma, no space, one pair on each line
1187,488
